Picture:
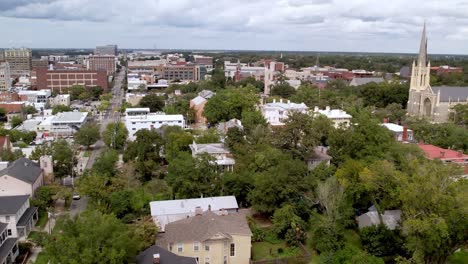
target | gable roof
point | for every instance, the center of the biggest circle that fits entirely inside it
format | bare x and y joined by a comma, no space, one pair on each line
165,257
205,226
10,205
390,219
210,148
434,152
198,100
23,169
452,93
182,206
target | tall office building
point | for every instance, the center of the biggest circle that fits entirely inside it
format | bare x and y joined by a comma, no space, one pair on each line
20,61
5,81
102,62
106,50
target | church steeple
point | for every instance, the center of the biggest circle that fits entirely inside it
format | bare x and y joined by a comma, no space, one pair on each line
422,59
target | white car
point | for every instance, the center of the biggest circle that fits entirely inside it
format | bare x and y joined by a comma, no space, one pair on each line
76,196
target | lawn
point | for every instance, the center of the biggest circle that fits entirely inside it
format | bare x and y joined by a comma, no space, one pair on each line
37,237
42,259
459,257
267,250
42,221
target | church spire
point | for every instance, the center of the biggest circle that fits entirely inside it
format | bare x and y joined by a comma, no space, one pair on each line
422,60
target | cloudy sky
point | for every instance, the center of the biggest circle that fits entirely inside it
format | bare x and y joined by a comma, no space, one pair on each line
313,25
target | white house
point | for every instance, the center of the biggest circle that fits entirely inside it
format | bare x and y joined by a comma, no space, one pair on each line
339,117
223,158
8,246
140,118
16,212
165,212
67,123
400,133
21,177
39,96
277,112
60,99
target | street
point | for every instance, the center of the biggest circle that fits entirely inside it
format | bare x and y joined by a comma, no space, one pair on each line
78,206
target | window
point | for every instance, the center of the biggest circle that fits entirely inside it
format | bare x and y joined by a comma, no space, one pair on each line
207,260
233,250
180,247
7,218
225,260
9,232
207,246
196,246
225,244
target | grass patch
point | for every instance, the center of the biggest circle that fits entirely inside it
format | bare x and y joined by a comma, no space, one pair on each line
352,238
459,257
42,258
37,237
266,250
42,221
87,153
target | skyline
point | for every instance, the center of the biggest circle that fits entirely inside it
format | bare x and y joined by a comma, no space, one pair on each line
282,25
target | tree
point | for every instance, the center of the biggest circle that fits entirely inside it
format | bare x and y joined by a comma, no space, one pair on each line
350,254
64,158
115,135
153,101
379,241
75,91
208,136
146,152
16,121
60,108
87,135
9,155
460,114
29,110
105,163
91,238
177,140
283,90
288,225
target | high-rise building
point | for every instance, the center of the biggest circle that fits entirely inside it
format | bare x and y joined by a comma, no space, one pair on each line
106,50
20,61
5,78
424,101
102,62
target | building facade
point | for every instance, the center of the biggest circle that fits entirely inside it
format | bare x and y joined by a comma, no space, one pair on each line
20,61
102,63
21,177
339,117
61,80
137,119
106,50
276,113
5,76
432,103
181,72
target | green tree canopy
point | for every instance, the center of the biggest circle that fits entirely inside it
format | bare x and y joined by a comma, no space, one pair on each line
115,135
153,101
88,135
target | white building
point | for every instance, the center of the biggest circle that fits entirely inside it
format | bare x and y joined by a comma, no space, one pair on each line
39,96
277,112
134,82
140,118
339,117
60,99
400,133
67,123
223,157
165,212
5,77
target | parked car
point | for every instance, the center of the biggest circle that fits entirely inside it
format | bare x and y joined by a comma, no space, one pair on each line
76,196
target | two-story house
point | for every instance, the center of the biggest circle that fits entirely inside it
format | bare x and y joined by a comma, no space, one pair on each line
8,246
21,177
277,113
209,238
16,212
223,157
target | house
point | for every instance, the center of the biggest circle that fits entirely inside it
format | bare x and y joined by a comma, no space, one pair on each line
319,155
390,219
160,255
400,133
209,238
19,216
356,81
198,105
137,119
223,157
339,117
277,112
8,246
225,126
67,123
60,99
445,155
21,177
165,212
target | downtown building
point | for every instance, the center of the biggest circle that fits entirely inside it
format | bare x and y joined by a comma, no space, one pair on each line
102,63
5,77
20,61
62,80
106,50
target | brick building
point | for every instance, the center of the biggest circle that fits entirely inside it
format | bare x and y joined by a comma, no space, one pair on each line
61,80
102,62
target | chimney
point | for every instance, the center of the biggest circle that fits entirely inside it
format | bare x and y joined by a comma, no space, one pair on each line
442,154
156,259
281,100
327,108
274,100
209,207
405,133
316,109
385,120
198,210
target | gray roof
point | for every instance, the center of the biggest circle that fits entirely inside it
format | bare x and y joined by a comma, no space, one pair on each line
23,169
10,205
165,257
3,226
365,80
390,218
451,93
225,126
6,247
205,226
26,217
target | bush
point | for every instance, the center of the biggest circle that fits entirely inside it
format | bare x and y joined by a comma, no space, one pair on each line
258,234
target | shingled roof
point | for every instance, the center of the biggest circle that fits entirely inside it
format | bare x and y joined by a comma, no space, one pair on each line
10,205
451,93
165,257
23,169
205,226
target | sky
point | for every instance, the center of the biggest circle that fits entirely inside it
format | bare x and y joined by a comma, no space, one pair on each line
296,25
